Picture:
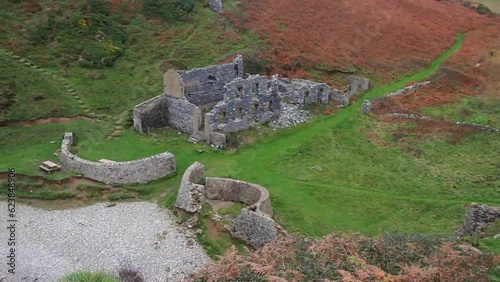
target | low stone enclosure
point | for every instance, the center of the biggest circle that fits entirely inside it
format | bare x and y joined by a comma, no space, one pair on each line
136,171
476,218
212,101
254,224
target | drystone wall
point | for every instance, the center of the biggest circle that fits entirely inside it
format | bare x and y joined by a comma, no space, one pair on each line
477,217
206,85
252,195
151,114
254,224
180,114
137,171
191,192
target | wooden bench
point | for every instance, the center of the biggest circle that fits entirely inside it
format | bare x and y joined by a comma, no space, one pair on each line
49,166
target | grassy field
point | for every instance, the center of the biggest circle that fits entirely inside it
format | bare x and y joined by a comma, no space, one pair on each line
327,175
323,176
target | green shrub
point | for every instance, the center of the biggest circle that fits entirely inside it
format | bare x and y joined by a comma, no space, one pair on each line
168,10
483,10
88,277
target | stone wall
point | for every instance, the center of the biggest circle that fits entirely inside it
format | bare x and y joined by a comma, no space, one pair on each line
180,114
215,5
255,227
191,192
137,171
301,91
151,114
254,224
252,195
246,101
217,98
357,84
478,217
206,85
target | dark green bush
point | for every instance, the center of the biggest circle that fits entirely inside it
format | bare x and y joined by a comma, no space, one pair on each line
87,35
483,10
168,10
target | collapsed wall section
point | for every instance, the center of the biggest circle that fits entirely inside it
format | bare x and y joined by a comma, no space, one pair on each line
137,171
191,192
357,84
477,217
151,114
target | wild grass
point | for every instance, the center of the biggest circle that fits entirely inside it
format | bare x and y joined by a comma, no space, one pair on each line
85,276
323,176
234,209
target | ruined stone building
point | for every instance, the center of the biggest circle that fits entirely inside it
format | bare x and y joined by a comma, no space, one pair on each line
211,101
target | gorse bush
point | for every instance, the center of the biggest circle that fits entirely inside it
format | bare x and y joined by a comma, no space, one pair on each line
85,34
353,257
168,10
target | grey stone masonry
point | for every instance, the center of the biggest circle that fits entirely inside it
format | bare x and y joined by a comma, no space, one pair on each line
217,139
219,99
477,217
180,113
215,5
301,91
205,85
410,88
191,192
246,101
151,114
357,84
254,224
366,107
254,227
250,194
137,171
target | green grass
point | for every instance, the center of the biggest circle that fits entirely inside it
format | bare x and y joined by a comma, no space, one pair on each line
37,94
323,176
121,196
34,191
469,109
234,209
84,276
326,175
214,242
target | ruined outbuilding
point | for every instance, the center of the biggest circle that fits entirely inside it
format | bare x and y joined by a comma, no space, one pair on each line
254,224
212,101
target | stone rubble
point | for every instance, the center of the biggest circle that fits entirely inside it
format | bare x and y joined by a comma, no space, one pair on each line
290,115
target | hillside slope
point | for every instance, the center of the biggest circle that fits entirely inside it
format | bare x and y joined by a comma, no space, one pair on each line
389,38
